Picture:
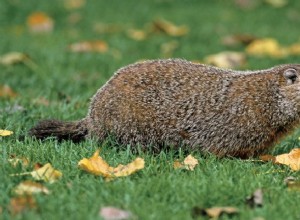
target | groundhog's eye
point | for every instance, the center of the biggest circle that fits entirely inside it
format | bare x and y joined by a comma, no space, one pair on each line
290,75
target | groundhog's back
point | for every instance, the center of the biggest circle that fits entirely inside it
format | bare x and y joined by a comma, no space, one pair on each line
179,103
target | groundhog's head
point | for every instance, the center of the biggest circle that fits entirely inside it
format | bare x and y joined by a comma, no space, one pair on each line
290,83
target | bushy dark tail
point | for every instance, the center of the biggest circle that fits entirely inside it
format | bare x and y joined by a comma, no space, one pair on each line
75,131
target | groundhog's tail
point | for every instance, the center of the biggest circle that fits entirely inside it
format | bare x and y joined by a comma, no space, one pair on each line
75,131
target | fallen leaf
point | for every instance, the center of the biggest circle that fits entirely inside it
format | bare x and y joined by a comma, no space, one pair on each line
268,158
292,183
74,18
6,91
103,28
247,4
5,133
267,47
214,212
12,58
41,101
74,4
234,40
14,161
291,159
136,34
89,46
112,213
226,59
29,187
189,163
294,49
21,203
97,166
169,28
256,199
46,173
167,49
40,22
277,3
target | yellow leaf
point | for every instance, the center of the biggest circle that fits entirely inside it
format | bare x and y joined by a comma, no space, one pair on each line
294,49
89,46
217,211
291,159
29,187
97,166
167,49
74,4
14,161
189,163
170,28
39,22
214,212
6,91
13,58
277,3
136,34
292,183
267,47
5,132
226,59
46,173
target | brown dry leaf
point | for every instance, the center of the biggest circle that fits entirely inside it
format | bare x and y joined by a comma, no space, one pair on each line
30,187
21,203
277,3
5,133
46,173
267,47
291,159
137,34
97,166
189,163
268,158
74,4
112,213
12,58
7,92
40,22
170,28
14,161
89,46
256,199
214,212
226,59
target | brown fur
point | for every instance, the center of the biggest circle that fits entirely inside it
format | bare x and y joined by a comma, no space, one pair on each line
197,107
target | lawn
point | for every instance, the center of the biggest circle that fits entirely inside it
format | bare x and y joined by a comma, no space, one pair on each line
55,82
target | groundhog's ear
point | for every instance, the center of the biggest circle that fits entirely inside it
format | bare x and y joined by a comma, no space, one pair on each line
290,75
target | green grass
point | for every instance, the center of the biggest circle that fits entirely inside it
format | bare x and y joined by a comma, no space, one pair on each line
158,191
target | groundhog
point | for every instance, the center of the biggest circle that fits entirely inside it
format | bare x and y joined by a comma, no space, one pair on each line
176,103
